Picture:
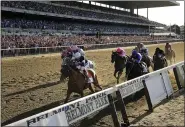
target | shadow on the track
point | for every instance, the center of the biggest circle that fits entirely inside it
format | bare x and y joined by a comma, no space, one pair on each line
34,88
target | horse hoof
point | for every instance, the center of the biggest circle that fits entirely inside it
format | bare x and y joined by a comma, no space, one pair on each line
97,90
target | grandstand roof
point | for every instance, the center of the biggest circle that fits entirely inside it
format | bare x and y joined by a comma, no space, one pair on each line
140,4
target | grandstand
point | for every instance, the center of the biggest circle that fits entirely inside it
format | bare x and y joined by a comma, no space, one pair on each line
182,32
28,24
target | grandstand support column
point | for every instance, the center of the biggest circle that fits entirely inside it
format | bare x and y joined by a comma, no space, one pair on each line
147,13
132,10
137,10
90,4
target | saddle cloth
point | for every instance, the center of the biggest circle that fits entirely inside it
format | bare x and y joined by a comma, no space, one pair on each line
90,76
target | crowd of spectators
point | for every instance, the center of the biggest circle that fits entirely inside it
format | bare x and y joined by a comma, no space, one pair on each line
14,41
72,26
57,9
94,7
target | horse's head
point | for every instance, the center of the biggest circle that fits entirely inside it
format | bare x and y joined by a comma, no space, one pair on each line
113,56
67,64
65,72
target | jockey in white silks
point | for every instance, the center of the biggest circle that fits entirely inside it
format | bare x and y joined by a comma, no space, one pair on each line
82,64
144,51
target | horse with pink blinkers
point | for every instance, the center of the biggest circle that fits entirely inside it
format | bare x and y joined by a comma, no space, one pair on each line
119,58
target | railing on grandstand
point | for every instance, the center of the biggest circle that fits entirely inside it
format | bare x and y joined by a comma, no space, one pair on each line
58,49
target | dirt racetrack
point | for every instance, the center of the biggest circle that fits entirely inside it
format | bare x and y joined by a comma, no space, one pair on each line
166,114
30,82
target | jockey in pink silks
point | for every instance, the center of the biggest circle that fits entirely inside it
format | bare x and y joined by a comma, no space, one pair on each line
121,52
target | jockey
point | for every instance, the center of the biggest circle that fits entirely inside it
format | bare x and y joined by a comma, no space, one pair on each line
137,63
167,47
143,49
138,58
134,53
121,52
138,46
81,51
82,64
142,64
159,53
74,48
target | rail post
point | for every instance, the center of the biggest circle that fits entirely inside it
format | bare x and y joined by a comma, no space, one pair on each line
113,111
150,107
123,109
177,78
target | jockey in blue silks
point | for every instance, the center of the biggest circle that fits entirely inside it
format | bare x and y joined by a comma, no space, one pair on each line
135,67
134,53
143,65
136,57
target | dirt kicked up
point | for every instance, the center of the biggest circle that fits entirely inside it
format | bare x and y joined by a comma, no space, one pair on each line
31,82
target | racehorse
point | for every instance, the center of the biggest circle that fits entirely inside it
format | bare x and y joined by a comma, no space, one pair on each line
76,82
134,70
159,62
169,55
119,65
145,58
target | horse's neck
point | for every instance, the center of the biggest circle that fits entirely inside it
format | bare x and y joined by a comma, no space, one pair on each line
72,70
73,75
76,77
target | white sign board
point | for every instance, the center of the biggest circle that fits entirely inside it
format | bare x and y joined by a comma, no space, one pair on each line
180,72
54,117
155,86
131,87
85,107
167,83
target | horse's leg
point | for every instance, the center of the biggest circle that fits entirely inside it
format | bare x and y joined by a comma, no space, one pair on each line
82,94
90,88
119,74
152,65
68,95
174,57
61,78
117,80
96,83
115,73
